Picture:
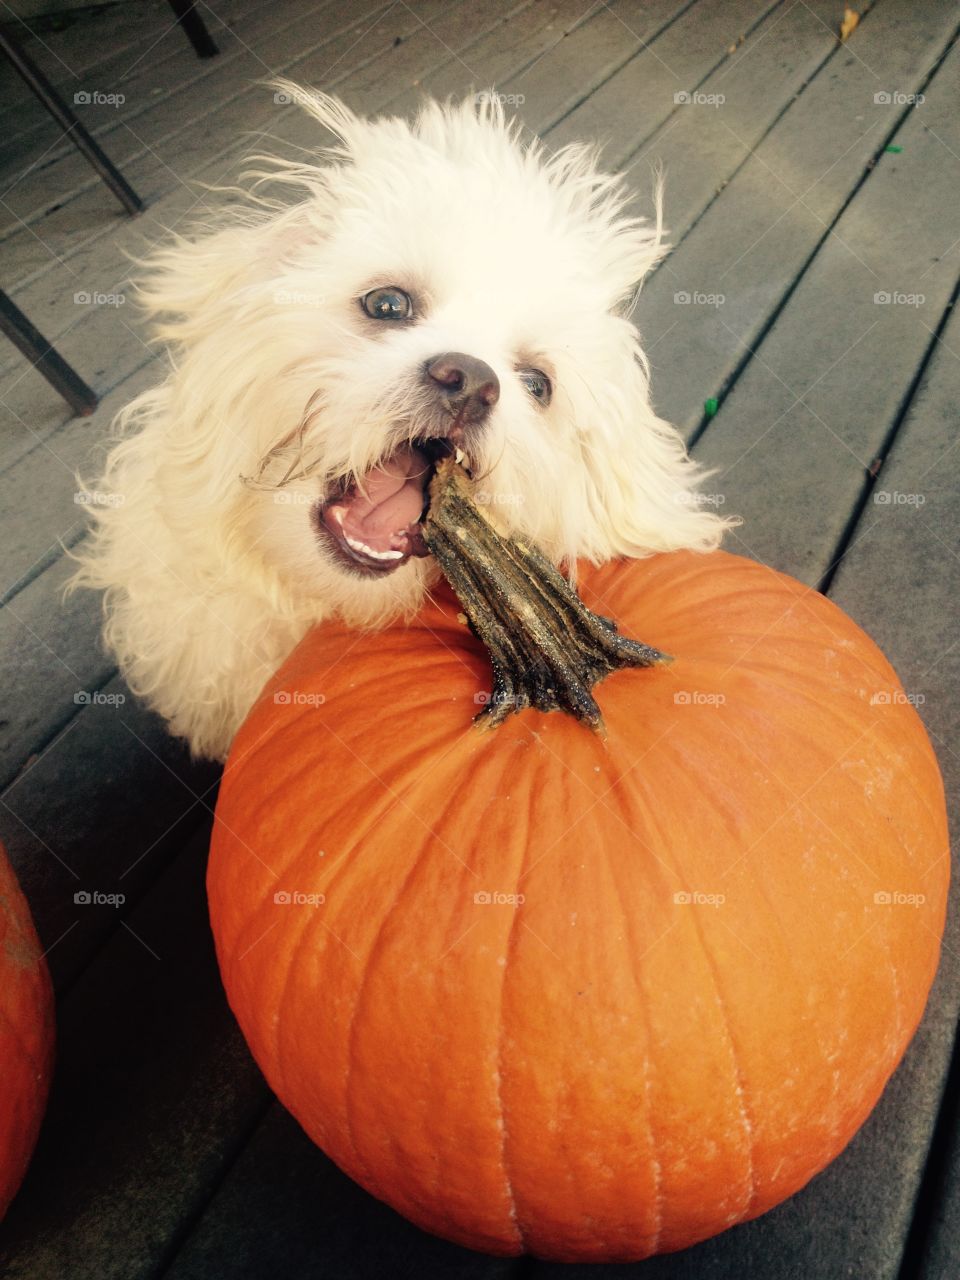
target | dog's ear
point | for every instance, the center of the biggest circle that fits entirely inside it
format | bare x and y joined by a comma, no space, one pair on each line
202,284
626,242
190,285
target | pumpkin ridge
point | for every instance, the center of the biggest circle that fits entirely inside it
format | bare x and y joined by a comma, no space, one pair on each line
364,987
361,995
510,948
772,908
724,1008
636,970
724,1011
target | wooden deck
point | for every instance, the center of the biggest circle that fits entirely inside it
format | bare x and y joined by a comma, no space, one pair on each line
814,187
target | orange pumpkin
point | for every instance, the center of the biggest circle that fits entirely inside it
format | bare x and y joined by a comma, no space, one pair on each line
592,999
26,1034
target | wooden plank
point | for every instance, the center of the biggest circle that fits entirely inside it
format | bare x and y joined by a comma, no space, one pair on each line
101,809
524,38
554,85
749,243
494,62
153,1092
158,59
937,1255
703,42
813,407
41,679
311,1220
137,135
84,44
900,578
67,202
38,507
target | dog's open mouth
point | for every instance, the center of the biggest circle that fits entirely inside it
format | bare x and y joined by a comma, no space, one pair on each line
373,523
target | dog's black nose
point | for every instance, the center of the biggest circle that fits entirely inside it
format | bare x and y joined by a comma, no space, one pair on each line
469,386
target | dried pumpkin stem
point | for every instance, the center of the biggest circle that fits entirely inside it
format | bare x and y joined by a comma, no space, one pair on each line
546,648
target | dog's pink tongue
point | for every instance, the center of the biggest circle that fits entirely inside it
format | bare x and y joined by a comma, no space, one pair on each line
388,499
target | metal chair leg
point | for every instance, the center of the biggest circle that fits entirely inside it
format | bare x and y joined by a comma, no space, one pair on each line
45,358
48,95
194,26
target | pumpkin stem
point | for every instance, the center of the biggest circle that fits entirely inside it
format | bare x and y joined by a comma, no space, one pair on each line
546,648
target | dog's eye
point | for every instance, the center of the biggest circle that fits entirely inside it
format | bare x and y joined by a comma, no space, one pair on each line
387,303
537,383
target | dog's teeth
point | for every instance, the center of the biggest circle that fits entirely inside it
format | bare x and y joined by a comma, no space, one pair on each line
459,455
362,547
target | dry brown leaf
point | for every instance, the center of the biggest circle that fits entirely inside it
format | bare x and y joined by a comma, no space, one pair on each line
849,23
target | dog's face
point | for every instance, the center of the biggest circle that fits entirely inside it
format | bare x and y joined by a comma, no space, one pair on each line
442,289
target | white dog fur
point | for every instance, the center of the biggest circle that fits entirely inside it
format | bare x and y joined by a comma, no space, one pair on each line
281,387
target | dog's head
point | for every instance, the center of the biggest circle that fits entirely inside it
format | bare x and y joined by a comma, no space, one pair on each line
442,287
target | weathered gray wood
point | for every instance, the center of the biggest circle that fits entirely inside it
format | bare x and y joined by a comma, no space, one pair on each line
757,234
312,1220
811,412
38,493
89,43
701,45
49,657
900,579
939,1248
158,62
100,808
530,37
67,176
153,1091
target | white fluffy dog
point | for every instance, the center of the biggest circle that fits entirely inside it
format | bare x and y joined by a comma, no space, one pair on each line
441,285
